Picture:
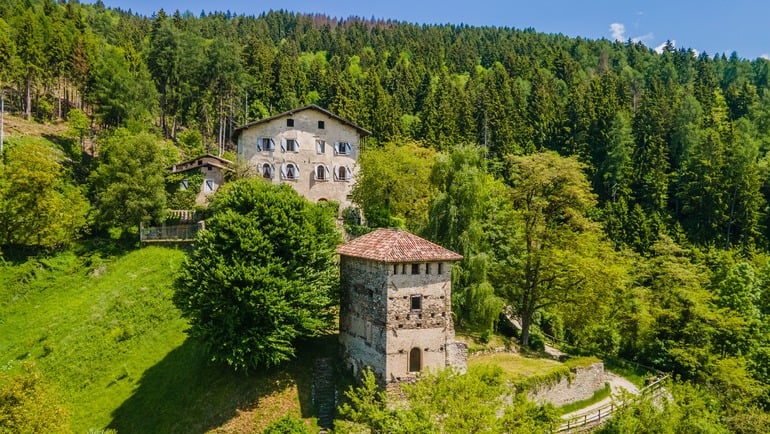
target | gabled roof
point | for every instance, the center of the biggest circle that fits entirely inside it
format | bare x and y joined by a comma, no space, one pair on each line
184,166
364,132
395,245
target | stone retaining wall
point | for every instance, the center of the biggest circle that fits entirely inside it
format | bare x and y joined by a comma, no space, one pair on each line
582,384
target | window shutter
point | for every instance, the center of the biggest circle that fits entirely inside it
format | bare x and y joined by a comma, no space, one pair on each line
318,147
347,147
336,148
326,171
272,145
259,145
296,171
296,145
336,171
348,173
283,145
283,171
315,172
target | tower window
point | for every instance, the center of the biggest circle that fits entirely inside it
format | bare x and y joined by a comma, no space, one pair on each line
416,302
415,360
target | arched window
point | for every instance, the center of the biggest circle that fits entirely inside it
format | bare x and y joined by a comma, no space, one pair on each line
267,171
342,173
321,173
289,171
415,360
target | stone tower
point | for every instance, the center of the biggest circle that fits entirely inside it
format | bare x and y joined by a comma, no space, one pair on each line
396,309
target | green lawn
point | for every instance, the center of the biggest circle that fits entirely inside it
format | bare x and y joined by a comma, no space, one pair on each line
515,365
106,335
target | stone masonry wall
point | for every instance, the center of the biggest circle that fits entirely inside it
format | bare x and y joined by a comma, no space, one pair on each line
363,314
429,328
582,385
306,132
379,327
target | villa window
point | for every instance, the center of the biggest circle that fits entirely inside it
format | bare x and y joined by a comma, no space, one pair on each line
321,125
267,171
415,268
342,173
342,148
290,122
321,173
320,146
290,171
292,145
440,268
265,144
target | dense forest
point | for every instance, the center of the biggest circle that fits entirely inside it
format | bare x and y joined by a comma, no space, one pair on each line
614,197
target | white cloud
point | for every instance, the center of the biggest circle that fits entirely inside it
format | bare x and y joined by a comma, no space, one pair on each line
659,48
617,30
642,38
765,56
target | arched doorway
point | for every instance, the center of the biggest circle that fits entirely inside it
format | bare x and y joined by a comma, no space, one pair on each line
415,360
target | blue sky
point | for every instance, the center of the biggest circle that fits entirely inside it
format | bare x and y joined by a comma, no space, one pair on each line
713,26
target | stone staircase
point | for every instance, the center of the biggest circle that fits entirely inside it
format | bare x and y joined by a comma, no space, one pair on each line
324,391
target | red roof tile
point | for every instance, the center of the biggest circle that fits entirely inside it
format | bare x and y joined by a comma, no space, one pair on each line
395,245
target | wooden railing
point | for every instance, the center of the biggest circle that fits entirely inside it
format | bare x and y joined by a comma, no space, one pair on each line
173,233
599,415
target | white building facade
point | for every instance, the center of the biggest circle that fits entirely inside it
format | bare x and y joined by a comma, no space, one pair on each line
309,148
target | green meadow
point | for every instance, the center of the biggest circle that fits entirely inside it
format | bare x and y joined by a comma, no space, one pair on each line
105,335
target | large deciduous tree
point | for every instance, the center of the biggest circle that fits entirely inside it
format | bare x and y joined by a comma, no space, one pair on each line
38,206
262,275
128,183
458,219
553,253
392,184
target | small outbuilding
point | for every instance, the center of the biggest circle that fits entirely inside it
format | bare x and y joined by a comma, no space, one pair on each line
396,308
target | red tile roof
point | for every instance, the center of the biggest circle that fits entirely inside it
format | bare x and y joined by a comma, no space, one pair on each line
395,245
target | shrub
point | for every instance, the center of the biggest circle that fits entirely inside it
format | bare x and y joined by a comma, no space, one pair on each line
287,425
262,275
536,342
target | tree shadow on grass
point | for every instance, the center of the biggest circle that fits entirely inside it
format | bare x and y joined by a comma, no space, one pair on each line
184,393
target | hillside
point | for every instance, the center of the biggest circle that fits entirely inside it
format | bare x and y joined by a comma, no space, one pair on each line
105,334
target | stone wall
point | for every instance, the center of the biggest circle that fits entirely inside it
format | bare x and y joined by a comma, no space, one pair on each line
457,356
429,328
306,132
379,326
584,382
363,307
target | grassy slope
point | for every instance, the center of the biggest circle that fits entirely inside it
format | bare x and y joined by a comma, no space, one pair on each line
106,335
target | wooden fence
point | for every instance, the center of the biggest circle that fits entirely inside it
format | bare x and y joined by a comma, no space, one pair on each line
599,415
183,233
